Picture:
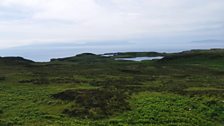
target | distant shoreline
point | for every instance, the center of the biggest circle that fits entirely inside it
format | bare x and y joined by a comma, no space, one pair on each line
117,54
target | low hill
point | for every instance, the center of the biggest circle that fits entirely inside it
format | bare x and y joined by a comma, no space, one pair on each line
15,60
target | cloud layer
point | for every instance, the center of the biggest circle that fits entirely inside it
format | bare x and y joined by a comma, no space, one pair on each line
24,22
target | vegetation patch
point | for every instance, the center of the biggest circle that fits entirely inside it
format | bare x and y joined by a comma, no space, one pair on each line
204,89
214,93
55,80
94,103
121,81
2,78
95,90
170,109
1,111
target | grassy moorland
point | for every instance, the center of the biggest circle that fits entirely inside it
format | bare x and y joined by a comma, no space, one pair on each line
182,89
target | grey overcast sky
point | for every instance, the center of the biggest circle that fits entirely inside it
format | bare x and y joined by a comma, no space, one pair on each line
156,22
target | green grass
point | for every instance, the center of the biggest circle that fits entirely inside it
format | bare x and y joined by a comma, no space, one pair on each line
170,109
181,89
204,89
32,104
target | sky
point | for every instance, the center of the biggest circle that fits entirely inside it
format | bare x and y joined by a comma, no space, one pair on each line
138,25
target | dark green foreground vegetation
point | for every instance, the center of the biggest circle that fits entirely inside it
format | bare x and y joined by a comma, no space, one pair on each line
182,89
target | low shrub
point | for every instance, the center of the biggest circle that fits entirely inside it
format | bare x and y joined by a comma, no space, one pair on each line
2,78
94,103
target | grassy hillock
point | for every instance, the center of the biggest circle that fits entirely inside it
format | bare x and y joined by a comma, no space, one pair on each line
212,58
185,88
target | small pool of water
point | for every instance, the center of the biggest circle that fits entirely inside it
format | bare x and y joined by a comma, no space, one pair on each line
140,58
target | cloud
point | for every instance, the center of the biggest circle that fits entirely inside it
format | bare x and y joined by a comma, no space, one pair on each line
25,22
